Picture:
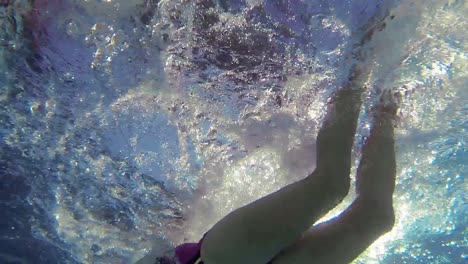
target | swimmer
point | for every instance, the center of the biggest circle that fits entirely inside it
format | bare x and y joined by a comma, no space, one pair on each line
279,228
276,228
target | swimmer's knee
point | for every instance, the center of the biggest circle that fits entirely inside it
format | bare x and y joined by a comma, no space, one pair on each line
335,182
382,219
387,220
380,215
340,188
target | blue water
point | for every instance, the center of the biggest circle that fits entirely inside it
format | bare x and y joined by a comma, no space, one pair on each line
131,126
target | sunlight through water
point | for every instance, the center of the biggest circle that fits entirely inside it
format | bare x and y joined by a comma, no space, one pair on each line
132,126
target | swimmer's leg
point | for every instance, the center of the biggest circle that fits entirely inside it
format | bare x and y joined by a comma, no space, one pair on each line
257,232
345,237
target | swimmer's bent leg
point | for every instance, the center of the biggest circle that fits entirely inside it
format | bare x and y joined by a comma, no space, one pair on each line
345,237
257,232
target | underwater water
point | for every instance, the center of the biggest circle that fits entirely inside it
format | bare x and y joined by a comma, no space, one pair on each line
130,126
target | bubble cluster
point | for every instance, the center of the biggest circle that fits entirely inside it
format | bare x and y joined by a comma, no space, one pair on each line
128,126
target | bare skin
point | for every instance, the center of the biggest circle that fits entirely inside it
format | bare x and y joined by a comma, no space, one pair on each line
368,217
277,227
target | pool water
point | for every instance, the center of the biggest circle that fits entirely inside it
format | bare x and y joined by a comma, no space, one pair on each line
131,126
